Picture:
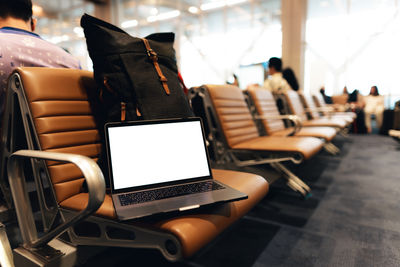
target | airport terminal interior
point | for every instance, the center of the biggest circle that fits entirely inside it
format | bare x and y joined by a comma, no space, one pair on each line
294,161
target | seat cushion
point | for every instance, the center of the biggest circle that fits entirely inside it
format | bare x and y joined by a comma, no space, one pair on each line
307,146
196,230
327,133
349,114
334,122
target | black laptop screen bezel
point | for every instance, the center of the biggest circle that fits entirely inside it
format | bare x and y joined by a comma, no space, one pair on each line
145,122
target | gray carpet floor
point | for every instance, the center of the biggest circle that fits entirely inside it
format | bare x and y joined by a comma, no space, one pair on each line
352,219
357,221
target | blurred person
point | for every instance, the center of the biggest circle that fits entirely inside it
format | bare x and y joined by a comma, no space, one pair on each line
290,77
345,91
234,80
356,100
374,105
275,81
357,104
327,99
20,47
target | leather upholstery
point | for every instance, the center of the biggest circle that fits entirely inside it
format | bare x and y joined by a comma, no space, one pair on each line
307,146
233,113
337,119
337,123
295,105
327,133
265,105
240,129
320,102
196,230
294,102
340,99
62,118
59,96
309,103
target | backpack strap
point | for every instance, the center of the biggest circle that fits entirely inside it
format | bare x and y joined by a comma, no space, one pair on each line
153,56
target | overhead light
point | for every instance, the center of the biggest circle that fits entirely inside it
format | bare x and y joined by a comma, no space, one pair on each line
59,39
154,11
193,10
129,24
164,16
219,4
79,32
324,3
37,10
212,5
234,2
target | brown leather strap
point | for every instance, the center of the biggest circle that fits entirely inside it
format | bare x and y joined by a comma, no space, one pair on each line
123,111
153,56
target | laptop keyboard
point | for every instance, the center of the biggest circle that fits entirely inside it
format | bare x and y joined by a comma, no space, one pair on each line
167,192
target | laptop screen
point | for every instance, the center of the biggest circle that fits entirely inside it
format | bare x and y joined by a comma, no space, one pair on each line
143,154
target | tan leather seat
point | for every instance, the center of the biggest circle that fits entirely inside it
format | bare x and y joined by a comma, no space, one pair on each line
265,105
63,122
240,130
294,102
320,102
340,99
309,103
196,230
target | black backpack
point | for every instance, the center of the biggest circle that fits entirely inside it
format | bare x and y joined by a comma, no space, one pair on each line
137,77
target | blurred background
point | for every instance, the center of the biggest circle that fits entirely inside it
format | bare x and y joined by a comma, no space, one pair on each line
349,43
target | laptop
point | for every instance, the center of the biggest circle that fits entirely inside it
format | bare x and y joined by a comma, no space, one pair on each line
161,166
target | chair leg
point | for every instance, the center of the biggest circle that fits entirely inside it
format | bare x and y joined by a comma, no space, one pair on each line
344,132
294,182
331,148
6,256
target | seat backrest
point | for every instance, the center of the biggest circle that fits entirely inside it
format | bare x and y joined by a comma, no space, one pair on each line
340,99
63,119
265,105
310,105
319,100
294,102
233,114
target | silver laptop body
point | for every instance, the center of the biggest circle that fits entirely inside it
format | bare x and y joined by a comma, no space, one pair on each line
161,166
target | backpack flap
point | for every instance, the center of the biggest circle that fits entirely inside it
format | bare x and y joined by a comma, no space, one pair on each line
132,75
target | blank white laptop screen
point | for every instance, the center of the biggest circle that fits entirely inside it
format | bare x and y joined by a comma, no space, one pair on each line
157,153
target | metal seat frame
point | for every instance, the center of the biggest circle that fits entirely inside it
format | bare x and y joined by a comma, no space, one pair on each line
225,155
18,128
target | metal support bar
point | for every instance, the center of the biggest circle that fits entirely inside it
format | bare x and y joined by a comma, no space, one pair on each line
252,162
6,256
294,182
130,235
91,172
297,121
331,148
344,132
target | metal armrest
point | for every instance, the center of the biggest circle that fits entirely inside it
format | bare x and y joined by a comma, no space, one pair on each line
91,172
320,109
297,121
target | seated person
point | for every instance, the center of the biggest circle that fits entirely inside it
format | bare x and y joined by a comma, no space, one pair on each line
20,47
290,77
275,82
357,103
341,102
374,104
327,99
